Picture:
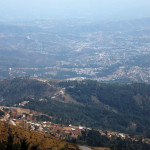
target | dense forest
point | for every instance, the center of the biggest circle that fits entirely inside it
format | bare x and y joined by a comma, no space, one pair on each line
95,139
110,106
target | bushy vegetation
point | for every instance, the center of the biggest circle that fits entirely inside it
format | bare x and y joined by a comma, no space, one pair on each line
94,139
2,113
15,90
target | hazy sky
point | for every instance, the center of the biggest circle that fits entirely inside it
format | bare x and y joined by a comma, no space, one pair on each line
60,9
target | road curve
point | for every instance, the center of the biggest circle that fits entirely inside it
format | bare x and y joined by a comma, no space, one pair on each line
84,148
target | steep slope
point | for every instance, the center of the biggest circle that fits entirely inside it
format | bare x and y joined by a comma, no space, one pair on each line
16,138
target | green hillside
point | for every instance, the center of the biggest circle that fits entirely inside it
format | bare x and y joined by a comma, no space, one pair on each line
117,107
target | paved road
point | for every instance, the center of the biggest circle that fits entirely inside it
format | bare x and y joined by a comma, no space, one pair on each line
84,148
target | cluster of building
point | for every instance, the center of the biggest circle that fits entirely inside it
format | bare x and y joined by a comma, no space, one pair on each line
26,119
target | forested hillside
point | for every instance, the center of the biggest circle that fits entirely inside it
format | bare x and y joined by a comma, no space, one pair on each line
19,89
117,107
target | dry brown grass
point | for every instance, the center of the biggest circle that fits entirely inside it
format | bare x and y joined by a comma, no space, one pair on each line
44,141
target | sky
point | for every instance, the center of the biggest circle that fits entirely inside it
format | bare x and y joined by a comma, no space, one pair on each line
68,9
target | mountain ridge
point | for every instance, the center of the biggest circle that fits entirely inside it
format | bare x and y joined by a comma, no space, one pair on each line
118,107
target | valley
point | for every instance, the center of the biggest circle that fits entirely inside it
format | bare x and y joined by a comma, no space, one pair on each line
77,79
72,49
74,75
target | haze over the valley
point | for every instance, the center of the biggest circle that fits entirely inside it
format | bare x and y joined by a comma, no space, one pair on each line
63,9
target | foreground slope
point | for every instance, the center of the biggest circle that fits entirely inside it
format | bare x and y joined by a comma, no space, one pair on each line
12,137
